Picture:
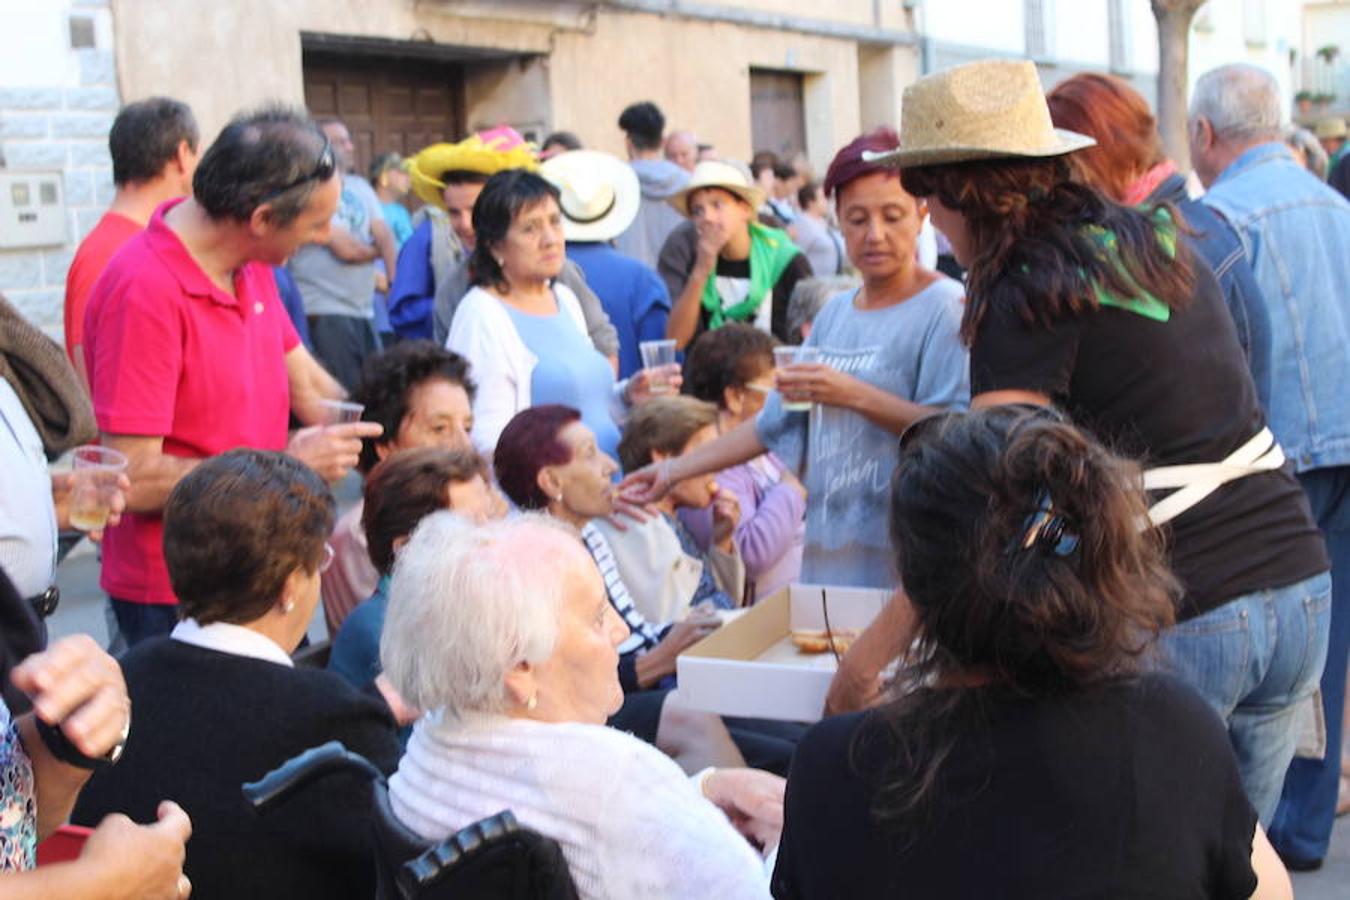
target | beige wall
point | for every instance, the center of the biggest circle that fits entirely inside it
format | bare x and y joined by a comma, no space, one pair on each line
224,56
231,54
699,74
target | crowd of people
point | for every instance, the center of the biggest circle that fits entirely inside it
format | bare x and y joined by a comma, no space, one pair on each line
1072,407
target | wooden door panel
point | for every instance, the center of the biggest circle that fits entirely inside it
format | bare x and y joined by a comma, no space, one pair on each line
389,104
777,112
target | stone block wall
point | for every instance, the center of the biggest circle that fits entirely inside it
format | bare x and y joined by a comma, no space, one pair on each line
63,128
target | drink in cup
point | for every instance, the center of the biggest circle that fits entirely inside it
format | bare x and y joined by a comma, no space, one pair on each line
791,356
341,412
93,485
656,355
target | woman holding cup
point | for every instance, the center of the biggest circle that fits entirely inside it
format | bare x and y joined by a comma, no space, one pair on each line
521,331
884,355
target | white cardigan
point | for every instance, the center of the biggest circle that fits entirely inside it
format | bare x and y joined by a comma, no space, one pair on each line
499,362
630,823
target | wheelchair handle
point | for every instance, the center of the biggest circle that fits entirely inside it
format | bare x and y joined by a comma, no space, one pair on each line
314,763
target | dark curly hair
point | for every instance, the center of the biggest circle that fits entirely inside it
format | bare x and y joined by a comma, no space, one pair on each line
388,379
995,604
1037,239
730,356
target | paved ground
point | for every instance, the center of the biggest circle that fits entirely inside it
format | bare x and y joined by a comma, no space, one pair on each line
82,606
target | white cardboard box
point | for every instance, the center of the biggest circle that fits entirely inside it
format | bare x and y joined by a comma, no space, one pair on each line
750,667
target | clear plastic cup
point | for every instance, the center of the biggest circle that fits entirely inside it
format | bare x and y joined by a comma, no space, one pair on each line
656,356
341,412
93,485
783,357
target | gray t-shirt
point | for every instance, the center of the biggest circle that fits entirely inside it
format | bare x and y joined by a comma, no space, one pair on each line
329,286
912,350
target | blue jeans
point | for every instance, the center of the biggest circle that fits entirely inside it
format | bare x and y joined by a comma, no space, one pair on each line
1301,829
141,621
1255,659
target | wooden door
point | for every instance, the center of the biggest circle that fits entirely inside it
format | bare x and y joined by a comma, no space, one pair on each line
387,104
777,112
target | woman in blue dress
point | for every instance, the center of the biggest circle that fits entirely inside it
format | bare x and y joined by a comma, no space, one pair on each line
522,333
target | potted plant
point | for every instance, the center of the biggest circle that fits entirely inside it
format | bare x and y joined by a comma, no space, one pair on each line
1304,101
1329,53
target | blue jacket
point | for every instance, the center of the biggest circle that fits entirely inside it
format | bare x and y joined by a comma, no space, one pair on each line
1219,246
1296,232
414,289
634,298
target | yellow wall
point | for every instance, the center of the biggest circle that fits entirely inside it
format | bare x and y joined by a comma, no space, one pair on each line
223,56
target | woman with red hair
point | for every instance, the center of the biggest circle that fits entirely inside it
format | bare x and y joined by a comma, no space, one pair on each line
1129,166
889,353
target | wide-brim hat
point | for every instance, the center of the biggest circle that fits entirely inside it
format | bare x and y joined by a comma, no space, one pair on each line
599,193
487,153
990,109
712,173
1329,129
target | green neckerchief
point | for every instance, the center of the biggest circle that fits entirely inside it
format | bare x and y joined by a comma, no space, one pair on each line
1143,304
770,252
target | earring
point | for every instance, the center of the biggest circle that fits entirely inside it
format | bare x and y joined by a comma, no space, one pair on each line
499,263
288,607
532,702
559,497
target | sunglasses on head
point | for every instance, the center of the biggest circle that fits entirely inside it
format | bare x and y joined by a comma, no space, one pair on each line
323,170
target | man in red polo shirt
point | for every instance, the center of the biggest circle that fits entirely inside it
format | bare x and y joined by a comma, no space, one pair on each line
189,349
153,144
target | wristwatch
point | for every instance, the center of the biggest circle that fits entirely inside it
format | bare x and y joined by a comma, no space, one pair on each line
60,746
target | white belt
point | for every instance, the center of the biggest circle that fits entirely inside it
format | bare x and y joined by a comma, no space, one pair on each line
1195,482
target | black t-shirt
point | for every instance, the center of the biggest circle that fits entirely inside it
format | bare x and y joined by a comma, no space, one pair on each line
1168,393
739,270
1126,790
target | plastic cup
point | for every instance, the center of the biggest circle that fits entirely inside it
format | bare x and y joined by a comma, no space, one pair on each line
783,357
341,412
94,485
656,355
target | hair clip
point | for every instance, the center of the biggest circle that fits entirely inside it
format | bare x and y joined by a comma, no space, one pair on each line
1047,530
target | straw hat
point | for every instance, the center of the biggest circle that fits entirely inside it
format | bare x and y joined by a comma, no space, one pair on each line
600,194
1330,128
721,175
487,153
982,110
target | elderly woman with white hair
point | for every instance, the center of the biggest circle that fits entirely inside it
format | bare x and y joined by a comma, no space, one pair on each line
519,675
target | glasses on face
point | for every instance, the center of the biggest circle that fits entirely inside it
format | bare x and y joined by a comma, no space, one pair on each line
323,170
328,554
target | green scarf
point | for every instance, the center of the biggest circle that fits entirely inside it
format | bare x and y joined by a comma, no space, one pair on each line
1143,304
771,250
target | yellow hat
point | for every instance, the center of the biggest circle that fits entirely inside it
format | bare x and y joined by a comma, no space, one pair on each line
487,153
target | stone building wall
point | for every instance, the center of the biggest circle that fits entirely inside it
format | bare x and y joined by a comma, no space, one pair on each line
61,125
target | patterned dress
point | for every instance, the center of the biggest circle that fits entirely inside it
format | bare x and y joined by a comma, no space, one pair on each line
18,805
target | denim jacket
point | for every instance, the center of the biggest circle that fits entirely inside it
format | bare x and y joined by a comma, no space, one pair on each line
1296,232
1219,246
